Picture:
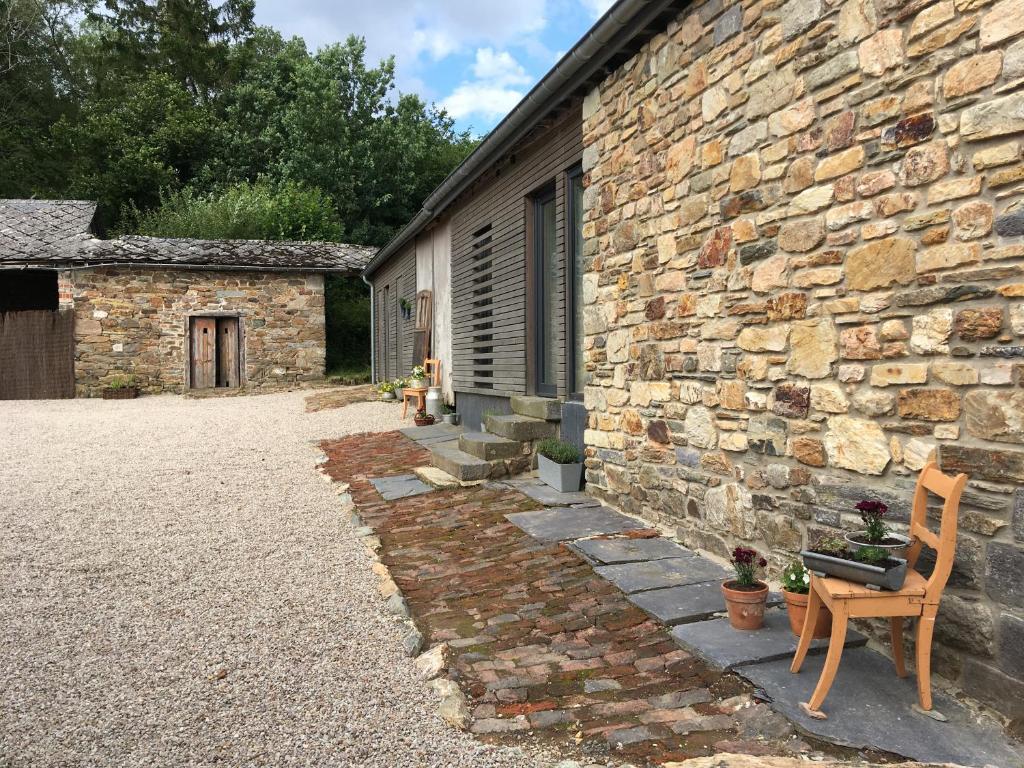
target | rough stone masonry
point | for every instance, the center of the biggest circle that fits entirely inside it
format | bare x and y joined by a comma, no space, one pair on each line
804,224
134,320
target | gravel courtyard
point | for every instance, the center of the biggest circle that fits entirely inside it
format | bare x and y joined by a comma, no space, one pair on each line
180,588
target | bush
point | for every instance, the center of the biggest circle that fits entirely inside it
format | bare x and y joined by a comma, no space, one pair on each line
559,451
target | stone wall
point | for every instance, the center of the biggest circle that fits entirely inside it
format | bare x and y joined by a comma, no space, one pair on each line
804,225
134,321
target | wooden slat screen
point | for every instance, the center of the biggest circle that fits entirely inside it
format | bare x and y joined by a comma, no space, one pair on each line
37,354
489,270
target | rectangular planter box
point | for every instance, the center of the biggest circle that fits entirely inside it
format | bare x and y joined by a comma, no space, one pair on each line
124,393
860,573
565,478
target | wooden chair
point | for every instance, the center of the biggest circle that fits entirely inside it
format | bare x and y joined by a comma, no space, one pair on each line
432,366
918,598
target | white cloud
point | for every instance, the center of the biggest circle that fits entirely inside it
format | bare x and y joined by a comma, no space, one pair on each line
490,102
497,86
499,67
597,8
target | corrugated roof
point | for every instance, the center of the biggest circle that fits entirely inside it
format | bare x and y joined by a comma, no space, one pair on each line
55,233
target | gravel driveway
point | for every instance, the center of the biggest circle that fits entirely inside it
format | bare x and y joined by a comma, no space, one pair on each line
180,587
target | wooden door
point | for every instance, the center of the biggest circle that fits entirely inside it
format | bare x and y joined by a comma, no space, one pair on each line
227,352
204,352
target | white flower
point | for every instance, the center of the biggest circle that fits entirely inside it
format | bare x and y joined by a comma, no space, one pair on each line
807,579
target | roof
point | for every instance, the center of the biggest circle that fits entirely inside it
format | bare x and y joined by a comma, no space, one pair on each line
28,227
55,233
609,43
233,254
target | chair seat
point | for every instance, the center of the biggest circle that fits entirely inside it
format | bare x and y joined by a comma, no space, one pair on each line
411,391
840,589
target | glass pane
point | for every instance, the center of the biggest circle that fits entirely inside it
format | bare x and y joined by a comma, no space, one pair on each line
549,310
578,270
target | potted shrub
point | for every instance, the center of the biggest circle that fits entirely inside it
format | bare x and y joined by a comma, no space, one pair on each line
796,584
386,390
423,419
874,566
406,308
746,595
559,465
417,378
450,415
121,388
876,533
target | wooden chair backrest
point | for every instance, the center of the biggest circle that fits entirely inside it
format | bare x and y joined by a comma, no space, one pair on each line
433,368
949,489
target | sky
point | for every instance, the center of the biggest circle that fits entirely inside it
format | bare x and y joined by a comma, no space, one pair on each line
475,58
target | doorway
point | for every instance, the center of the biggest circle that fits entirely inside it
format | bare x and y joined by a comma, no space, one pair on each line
214,355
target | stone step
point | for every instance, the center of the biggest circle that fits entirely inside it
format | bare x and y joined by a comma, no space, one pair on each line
458,463
546,408
489,447
521,428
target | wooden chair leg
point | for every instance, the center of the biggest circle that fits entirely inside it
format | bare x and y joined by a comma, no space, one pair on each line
810,618
405,405
896,634
840,613
923,649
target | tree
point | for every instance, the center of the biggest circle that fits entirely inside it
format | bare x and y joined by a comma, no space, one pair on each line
259,211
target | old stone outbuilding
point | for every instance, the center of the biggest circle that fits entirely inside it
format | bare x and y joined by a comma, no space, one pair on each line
77,312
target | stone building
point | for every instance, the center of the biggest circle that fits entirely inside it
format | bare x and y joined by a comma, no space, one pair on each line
174,314
799,275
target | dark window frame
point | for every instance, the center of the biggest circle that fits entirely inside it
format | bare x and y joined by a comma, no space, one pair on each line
572,387
548,194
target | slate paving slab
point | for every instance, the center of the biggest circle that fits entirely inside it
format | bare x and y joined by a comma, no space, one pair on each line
400,486
656,574
614,551
869,707
722,646
544,494
567,523
690,602
433,434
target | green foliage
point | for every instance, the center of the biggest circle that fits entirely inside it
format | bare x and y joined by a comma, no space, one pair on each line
123,381
830,545
558,451
871,555
259,211
386,386
796,578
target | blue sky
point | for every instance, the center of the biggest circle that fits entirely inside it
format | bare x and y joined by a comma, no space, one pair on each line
476,58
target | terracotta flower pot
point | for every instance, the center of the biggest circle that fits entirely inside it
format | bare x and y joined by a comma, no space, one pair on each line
796,607
745,606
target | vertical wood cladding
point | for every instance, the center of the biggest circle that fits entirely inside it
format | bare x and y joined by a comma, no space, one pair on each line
491,232
396,280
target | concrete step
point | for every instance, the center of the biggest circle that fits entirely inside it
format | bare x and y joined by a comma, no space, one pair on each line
489,447
521,428
546,408
458,463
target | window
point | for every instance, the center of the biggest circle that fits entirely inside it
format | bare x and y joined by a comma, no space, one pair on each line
577,269
546,285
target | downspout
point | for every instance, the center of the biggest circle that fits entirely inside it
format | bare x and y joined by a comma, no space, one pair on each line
373,332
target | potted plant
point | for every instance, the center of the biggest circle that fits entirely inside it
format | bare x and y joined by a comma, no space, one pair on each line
121,388
450,415
876,533
423,419
559,465
417,378
386,390
874,566
746,595
406,308
796,584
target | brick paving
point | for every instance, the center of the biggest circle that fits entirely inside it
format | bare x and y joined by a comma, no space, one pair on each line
543,647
